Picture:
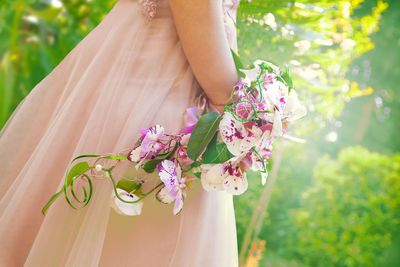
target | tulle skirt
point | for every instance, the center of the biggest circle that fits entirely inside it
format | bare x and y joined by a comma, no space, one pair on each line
125,75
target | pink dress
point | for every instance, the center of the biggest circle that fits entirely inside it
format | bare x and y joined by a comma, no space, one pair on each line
128,73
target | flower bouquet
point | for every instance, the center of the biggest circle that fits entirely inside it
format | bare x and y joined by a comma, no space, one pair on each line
215,148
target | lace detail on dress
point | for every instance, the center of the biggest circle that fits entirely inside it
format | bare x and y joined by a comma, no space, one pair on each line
149,8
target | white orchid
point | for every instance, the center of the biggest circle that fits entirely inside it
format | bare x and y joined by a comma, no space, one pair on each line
239,137
128,209
224,177
212,177
275,95
294,110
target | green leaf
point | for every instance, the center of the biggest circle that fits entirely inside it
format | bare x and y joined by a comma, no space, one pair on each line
77,170
150,165
197,174
51,201
238,63
86,156
195,164
202,134
128,185
287,78
216,152
116,157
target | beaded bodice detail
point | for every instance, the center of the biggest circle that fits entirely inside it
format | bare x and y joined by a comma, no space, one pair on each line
149,8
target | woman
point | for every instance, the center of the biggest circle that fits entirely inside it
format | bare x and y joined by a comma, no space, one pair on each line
145,63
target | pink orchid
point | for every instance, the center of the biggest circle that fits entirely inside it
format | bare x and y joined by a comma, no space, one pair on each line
244,110
153,142
240,88
181,152
269,78
191,117
193,114
259,105
175,188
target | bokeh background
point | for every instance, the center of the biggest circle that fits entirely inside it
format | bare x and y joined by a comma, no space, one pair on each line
333,192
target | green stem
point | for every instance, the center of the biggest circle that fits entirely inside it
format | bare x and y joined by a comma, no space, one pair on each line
109,172
260,158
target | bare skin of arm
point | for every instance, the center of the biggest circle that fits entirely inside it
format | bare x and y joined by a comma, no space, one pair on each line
200,27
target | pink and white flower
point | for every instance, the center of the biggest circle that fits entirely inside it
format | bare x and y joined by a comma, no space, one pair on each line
153,142
244,110
275,94
224,177
175,187
239,137
240,88
181,152
269,78
235,182
291,111
191,117
252,74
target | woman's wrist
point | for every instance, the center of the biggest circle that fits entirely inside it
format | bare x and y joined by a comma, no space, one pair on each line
220,107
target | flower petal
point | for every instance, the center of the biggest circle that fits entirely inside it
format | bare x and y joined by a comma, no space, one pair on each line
129,209
277,127
252,138
231,132
264,176
178,203
164,196
236,185
212,177
134,155
168,172
294,110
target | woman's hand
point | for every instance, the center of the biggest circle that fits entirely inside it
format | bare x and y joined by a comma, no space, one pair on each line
201,30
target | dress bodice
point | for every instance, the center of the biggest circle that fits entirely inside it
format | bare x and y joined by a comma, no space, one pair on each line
152,8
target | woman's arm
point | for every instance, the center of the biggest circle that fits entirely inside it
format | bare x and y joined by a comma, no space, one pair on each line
200,27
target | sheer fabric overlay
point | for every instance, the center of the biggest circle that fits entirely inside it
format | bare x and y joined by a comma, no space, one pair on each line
128,73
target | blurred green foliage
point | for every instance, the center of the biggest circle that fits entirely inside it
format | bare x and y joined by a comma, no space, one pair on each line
345,64
35,35
349,214
319,40
330,205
